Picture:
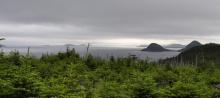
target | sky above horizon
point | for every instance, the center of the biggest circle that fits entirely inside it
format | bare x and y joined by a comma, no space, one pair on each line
109,22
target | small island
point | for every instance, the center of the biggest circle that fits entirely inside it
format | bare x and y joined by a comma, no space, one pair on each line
154,47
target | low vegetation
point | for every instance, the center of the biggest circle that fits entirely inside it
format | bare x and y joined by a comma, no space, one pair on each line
67,75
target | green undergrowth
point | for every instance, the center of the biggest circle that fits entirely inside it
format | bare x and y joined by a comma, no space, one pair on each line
67,75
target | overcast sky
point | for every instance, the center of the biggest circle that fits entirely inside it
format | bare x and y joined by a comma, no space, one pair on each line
109,22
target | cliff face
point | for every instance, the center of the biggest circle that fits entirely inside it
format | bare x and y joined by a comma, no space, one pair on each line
155,48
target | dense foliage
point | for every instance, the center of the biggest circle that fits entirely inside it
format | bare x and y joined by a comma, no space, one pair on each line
203,55
67,75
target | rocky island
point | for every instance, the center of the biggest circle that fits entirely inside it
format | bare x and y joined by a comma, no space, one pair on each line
153,47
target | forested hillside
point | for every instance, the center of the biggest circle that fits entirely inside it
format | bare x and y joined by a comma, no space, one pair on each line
66,75
200,56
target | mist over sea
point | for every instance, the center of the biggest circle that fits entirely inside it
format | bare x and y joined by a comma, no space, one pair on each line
103,52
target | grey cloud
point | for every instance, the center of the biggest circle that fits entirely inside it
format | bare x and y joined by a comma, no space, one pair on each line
144,19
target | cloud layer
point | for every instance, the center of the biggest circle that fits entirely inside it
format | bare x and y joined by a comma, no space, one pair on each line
109,21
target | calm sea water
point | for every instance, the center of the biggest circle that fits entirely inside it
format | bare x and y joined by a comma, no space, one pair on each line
103,52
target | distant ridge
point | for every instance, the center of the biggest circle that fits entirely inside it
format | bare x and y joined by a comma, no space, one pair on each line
142,45
70,44
191,45
174,46
153,47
